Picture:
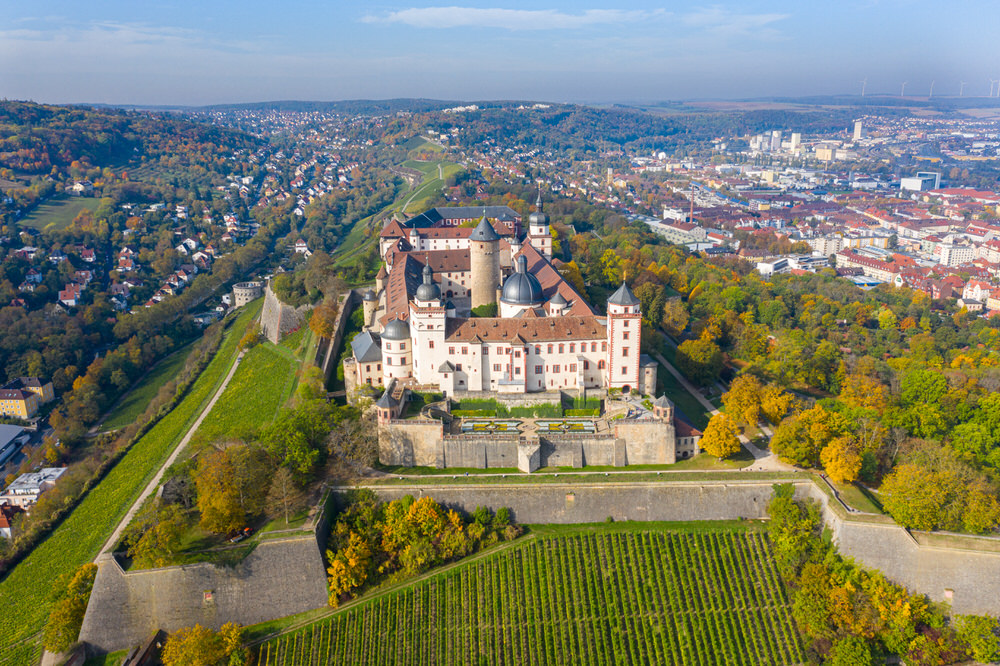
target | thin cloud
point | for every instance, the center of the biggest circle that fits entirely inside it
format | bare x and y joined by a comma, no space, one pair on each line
510,19
725,23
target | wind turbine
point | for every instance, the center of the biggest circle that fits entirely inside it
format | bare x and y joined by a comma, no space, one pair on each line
864,83
932,91
992,81
961,88
902,88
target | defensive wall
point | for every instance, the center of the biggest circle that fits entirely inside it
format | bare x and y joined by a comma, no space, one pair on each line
277,318
423,442
280,577
963,570
331,345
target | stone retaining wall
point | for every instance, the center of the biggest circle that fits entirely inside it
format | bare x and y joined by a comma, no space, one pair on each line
968,575
280,577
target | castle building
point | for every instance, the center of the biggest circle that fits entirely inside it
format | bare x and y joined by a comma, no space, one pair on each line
544,336
481,312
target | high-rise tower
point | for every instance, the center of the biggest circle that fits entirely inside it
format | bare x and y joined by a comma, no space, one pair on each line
484,263
624,332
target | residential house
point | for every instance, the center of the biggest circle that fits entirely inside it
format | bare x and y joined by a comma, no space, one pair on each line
42,389
7,515
27,488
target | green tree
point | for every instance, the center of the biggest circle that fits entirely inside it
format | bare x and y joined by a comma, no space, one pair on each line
979,634
700,360
851,651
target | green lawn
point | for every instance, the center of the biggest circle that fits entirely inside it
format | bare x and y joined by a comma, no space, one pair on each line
259,388
57,213
431,184
634,594
135,401
685,402
78,539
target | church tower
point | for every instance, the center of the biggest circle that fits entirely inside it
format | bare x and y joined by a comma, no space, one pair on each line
538,229
484,262
624,331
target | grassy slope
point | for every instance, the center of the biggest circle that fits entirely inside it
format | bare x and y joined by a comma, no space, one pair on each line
259,387
79,538
624,593
58,213
136,400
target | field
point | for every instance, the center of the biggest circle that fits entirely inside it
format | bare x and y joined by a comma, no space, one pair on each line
135,401
58,213
260,386
434,174
637,595
78,539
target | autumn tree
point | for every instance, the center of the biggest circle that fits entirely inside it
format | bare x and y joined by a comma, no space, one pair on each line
231,484
71,592
348,568
700,360
200,646
284,497
800,438
323,320
721,437
155,535
743,400
980,633
675,317
841,459
775,403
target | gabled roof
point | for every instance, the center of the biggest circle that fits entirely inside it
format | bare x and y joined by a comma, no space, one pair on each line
446,367
386,401
367,347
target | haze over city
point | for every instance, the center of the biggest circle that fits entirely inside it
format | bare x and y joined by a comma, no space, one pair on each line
190,53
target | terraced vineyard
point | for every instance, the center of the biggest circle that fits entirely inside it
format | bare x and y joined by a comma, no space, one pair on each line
633,597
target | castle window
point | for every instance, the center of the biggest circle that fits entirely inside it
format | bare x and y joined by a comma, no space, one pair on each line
388,346
388,361
586,365
402,346
517,370
465,351
572,348
458,367
624,351
560,349
626,321
550,349
538,349
625,335
538,369
368,368
593,346
555,368
496,367
604,346
600,365
572,367
517,354
451,351
430,344
624,370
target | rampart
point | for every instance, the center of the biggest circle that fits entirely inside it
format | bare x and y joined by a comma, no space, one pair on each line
277,318
280,577
961,569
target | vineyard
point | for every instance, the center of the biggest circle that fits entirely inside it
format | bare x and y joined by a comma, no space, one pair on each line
614,597
79,538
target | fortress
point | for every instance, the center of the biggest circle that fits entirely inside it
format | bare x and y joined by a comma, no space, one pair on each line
539,343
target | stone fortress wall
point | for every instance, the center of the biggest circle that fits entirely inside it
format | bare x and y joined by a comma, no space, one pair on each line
277,318
960,569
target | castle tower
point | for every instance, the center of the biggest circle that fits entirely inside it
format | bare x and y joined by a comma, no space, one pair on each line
538,229
427,329
624,331
484,260
369,304
397,351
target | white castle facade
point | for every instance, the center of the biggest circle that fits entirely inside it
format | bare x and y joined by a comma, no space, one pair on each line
544,336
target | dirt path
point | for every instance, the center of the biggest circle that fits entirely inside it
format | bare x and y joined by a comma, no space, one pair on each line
155,481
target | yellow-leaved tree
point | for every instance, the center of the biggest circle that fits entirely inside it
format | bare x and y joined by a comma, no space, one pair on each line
743,399
841,459
721,438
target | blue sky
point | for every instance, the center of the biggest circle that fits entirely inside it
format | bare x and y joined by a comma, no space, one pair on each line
216,51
